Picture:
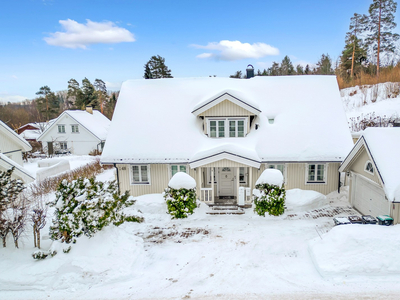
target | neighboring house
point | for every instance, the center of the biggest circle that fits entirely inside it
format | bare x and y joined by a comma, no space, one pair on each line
224,132
373,166
77,132
32,131
11,148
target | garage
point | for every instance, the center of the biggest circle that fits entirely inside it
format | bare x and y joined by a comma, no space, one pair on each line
368,197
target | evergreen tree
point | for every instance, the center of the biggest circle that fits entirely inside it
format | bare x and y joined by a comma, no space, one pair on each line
101,91
47,104
307,70
264,73
238,74
357,23
74,92
299,70
324,65
259,73
89,97
274,70
353,55
286,66
379,27
156,68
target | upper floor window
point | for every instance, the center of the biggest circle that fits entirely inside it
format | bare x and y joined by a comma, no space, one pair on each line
316,173
63,145
369,167
74,129
227,127
61,128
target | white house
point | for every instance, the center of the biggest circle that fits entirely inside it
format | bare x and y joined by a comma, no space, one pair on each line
224,132
77,132
11,148
373,166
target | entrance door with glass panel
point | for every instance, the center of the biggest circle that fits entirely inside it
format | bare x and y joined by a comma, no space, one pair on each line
226,182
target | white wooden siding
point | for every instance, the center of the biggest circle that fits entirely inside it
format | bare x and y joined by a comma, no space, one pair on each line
7,145
226,109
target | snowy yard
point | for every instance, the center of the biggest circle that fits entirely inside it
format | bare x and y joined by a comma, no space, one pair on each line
295,256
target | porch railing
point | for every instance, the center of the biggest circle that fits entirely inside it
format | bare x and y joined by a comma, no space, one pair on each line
206,195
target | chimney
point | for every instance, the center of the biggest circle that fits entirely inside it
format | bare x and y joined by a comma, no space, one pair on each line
89,109
249,71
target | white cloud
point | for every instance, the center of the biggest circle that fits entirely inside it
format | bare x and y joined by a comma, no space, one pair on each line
5,98
236,50
79,35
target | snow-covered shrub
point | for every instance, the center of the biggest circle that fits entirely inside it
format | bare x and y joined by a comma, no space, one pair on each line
85,206
269,195
12,207
39,254
181,196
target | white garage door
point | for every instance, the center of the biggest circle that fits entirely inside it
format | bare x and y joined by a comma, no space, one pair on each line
369,198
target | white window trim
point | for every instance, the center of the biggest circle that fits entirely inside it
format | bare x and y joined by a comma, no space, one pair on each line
65,143
365,167
139,183
77,127
209,175
246,175
58,128
226,126
170,169
325,181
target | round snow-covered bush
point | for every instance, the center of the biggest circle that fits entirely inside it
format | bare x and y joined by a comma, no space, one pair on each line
181,196
270,194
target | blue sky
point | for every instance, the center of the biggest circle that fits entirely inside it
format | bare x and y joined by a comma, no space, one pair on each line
48,42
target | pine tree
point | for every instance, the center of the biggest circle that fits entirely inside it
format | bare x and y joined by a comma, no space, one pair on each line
380,25
299,70
357,23
286,66
89,97
238,74
274,70
156,68
47,104
307,70
353,55
74,92
101,92
324,65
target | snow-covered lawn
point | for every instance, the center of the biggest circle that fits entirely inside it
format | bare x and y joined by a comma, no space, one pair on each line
214,257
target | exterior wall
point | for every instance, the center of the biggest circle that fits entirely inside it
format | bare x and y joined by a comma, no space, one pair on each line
7,145
78,143
395,212
226,108
160,176
358,166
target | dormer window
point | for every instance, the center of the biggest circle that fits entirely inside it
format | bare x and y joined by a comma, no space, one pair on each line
227,127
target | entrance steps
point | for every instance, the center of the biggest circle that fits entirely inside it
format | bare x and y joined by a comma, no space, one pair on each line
225,210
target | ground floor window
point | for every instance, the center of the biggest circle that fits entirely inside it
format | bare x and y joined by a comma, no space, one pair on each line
280,167
209,179
140,174
316,173
243,174
63,145
177,168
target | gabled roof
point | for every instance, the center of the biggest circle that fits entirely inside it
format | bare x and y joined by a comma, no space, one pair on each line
153,120
383,146
95,123
7,163
226,95
25,146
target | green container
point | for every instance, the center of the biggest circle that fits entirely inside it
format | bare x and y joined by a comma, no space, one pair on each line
385,220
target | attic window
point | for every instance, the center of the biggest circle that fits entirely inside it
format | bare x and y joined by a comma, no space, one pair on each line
271,121
369,168
227,127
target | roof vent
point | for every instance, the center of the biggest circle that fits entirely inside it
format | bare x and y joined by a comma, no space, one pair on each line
249,71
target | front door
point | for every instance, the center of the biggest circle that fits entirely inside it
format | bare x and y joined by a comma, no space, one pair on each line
226,181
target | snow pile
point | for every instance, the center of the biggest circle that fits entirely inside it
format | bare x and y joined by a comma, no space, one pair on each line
48,162
182,180
272,177
54,167
303,200
357,250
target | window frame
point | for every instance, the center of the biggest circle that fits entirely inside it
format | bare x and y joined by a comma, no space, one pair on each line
74,126
276,167
179,169
245,175
368,162
61,126
65,143
209,175
141,182
316,181
226,121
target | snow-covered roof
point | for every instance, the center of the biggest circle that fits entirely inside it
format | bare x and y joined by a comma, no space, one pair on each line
7,163
384,147
153,120
25,146
96,123
30,134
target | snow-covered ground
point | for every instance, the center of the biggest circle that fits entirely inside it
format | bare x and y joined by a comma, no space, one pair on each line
294,256
381,100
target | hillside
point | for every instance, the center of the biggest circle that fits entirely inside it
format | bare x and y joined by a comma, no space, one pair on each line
372,105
